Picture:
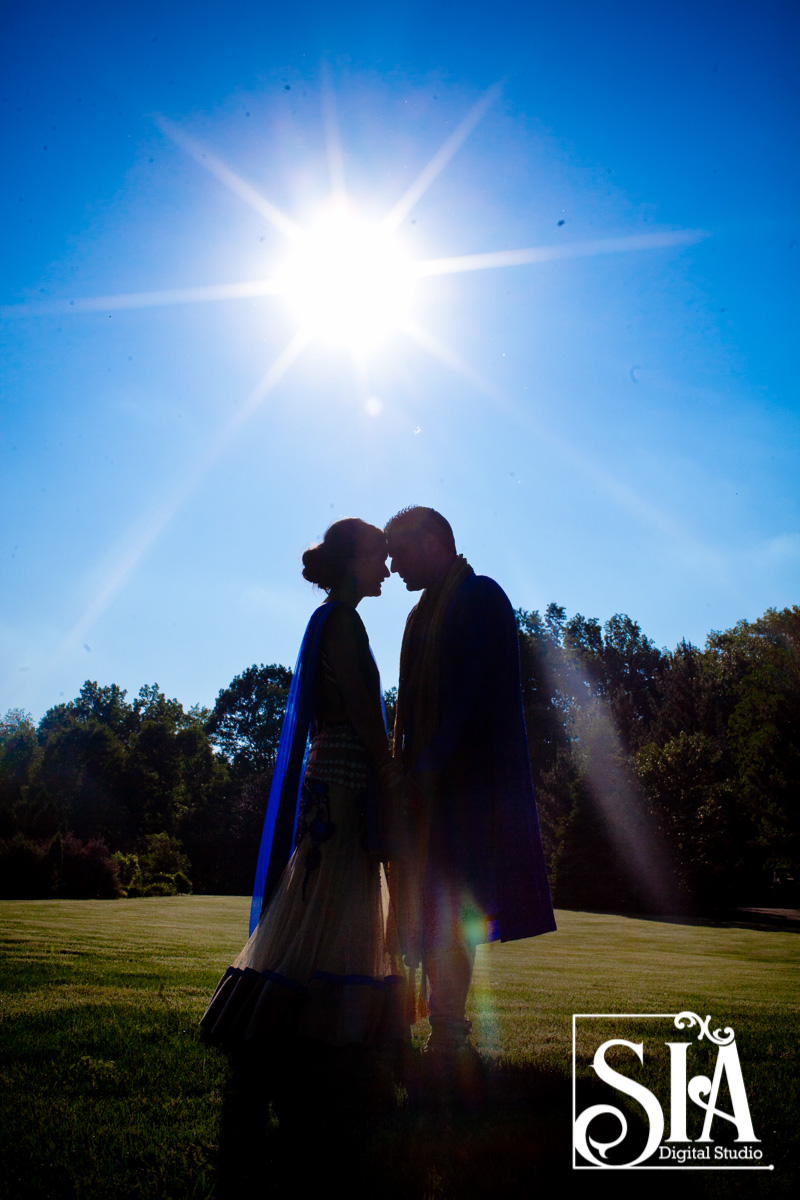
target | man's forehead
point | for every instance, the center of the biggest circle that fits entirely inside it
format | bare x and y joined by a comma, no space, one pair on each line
403,539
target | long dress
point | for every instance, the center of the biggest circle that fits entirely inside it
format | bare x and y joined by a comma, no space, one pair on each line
318,963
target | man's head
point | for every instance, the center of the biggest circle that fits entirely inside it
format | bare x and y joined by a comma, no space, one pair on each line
421,546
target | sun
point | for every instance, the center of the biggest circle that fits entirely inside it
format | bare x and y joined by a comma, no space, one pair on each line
347,281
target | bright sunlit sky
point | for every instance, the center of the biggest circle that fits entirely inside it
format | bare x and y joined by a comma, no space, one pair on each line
609,421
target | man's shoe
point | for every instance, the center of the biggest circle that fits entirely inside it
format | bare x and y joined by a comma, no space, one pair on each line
448,1036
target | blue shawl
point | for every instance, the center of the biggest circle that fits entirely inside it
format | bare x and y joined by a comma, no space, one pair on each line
283,805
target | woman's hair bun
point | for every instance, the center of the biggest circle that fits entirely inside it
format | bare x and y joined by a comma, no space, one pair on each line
318,568
327,563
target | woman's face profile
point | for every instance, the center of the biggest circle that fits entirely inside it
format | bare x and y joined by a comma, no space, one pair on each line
371,570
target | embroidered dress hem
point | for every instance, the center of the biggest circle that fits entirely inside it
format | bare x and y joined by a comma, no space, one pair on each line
252,1009
317,963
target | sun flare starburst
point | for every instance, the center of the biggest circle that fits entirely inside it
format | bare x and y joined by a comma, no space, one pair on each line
348,282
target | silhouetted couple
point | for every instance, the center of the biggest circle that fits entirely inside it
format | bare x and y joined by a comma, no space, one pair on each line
375,860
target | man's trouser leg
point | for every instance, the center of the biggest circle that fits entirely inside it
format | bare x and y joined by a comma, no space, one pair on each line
449,973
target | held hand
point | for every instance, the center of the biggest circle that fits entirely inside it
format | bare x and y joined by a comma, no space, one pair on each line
394,807
390,774
421,789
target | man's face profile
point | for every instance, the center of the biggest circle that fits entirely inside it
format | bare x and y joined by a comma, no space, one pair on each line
409,560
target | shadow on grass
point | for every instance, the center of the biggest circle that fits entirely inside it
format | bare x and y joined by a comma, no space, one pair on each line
760,920
408,1128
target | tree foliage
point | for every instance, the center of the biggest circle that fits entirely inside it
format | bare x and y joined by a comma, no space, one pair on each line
664,779
698,750
245,722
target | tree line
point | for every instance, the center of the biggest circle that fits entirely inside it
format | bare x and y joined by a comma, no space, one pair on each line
665,780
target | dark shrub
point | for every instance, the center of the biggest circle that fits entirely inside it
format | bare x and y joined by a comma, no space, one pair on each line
25,873
89,872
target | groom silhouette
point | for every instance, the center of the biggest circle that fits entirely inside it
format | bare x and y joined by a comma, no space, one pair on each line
474,870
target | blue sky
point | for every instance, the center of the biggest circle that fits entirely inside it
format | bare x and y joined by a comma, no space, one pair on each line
614,431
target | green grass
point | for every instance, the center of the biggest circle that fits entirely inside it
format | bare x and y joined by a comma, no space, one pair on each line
107,1090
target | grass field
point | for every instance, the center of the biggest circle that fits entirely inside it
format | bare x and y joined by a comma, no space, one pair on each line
107,1090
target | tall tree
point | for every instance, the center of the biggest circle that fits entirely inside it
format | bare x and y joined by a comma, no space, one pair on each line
764,731
695,803
246,719
19,752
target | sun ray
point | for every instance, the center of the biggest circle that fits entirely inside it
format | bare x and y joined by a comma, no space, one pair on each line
619,492
159,299
422,268
538,254
136,549
332,139
240,187
612,792
269,379
622,494
452,360
414,193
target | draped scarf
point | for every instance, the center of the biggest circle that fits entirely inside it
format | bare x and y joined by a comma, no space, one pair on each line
422,678
283,805
284,793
